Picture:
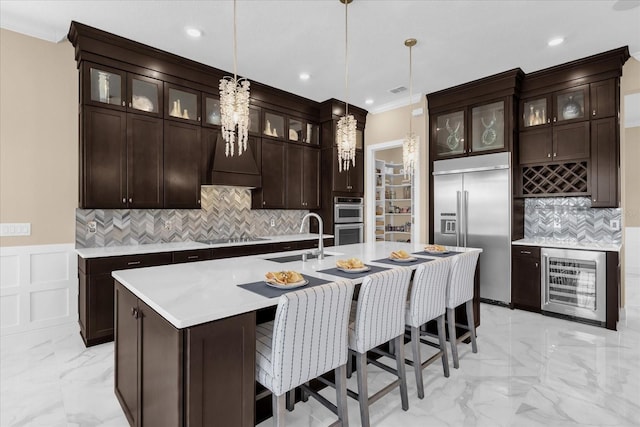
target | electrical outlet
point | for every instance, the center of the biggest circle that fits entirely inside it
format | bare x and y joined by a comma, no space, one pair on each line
273,222
92,227
168,225
15,229
614,224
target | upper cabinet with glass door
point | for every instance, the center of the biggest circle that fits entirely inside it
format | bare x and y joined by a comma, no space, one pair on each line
567,106
450,134
117,89
487,127
182,104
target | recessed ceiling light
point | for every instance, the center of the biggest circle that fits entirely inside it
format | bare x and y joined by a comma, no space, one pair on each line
368,101
555,41
194,32
305,76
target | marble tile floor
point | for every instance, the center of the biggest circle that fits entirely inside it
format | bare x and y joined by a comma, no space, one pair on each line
531,370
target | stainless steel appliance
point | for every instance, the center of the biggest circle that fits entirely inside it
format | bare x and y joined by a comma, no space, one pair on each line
348,218
573,283
472,208
348,209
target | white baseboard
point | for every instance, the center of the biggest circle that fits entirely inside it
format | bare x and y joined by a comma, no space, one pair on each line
38,287
632,250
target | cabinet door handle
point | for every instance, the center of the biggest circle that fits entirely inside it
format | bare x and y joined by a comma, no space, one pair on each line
555,154
133,263
594,200
135,313
198,201
130,200
549,155
198,118
124,200
555,119
193,257
548,120
123,104
537,265
526,252
264,203
594,112
129,105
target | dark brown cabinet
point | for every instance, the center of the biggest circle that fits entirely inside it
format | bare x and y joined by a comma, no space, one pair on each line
555,144
604,163
349,181
525,278
182,104
272,193
172,377
603,99
121,160
303,183
182,163
95,293
244,170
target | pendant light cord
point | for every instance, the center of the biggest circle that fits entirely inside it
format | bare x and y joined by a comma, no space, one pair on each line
235,44
410,90
346,56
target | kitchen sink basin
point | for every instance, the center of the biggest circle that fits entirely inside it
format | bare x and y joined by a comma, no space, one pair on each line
298,257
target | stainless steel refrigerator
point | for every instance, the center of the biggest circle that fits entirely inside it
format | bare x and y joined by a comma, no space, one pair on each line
472,208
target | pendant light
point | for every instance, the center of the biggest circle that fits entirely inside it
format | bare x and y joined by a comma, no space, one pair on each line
234,104
346,132
410,143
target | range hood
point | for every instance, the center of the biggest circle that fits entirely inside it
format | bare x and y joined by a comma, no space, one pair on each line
240,171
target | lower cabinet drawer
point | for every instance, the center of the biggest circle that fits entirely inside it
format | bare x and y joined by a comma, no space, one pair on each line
109,264
191,256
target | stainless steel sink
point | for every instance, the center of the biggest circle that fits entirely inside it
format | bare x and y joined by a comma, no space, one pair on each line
292,258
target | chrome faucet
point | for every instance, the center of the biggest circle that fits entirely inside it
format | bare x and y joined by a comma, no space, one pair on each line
320,230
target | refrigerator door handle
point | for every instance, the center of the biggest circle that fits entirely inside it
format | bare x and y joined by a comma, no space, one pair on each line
458,217
466,218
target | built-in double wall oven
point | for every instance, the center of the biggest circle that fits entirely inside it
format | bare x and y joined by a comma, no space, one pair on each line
348,218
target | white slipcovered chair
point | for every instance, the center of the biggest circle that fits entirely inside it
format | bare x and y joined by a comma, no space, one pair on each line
460,291
307,338
427,299
377,318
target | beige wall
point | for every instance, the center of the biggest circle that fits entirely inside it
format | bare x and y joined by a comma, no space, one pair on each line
392,126
630,148
38,138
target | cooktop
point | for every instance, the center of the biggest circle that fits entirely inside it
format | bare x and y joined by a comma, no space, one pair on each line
231,240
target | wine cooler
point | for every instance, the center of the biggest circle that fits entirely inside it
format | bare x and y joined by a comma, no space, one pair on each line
573,283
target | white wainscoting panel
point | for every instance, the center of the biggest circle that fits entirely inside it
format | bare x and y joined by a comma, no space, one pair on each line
632,250
38,287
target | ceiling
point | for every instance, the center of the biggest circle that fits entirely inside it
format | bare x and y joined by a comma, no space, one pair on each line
458,41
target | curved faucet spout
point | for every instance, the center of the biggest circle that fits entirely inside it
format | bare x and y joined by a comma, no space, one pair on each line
320,231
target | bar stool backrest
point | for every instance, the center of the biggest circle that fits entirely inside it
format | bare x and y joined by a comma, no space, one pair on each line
463,268
310,334
428,293
381,308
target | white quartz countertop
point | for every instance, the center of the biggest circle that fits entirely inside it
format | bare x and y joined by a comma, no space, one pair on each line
194,293
185,246
568,244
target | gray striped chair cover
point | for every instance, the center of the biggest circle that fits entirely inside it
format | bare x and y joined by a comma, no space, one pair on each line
428,293
460,291
427,299
463,268
380,309
307,338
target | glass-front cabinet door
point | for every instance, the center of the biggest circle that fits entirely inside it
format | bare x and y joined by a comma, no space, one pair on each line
535,112
254,120
104,86
450,134
144,94
296,128
211,111
487,127
571,105
273,125
182,103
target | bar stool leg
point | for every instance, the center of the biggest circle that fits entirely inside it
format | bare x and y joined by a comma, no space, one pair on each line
291,399
349,364
453,338
471,325
402,373
304,397
341,394
363,393
278,404
442,339
417,364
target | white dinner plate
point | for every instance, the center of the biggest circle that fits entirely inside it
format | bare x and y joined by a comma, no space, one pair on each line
288,285
437,252
410,259
355,270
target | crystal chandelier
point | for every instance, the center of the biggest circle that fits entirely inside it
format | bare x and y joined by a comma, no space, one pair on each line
410,143
346,133
234,104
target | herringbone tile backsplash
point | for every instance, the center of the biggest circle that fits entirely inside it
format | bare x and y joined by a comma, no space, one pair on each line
571,218
226,212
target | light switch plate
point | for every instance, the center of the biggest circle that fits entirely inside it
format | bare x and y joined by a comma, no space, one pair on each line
15,229
614,224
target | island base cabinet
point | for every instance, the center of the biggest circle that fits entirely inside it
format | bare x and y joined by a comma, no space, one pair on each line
220,373
148,363
199,376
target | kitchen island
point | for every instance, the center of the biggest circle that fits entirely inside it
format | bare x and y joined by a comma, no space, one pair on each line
185,334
